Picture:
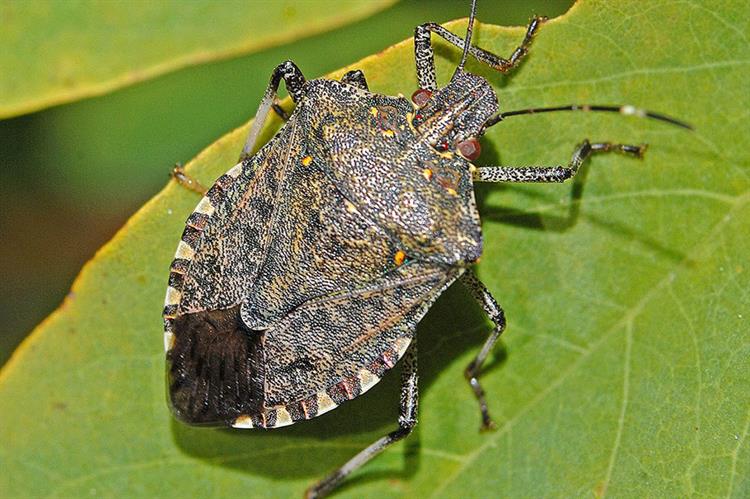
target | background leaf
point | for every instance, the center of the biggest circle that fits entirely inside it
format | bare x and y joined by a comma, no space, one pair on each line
625,366
64,51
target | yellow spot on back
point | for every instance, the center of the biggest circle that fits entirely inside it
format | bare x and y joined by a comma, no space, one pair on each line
373,111
388,133
307,160
427,173
399,257
452,192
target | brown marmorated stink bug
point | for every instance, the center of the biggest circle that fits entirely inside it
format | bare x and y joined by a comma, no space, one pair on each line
304,270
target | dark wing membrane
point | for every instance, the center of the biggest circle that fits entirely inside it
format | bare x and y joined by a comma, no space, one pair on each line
215,368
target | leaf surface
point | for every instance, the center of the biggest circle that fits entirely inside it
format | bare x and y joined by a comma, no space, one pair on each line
624,370
57,52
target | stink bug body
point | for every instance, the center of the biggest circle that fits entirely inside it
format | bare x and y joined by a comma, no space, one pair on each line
304,270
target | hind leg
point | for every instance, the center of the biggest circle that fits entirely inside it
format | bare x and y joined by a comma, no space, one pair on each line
407,420
482,295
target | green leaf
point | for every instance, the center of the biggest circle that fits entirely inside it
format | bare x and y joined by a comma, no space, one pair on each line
63,51
624,370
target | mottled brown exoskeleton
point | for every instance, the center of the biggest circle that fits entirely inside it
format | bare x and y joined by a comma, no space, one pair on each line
303,272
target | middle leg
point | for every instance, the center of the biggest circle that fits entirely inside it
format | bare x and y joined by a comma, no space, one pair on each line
554,173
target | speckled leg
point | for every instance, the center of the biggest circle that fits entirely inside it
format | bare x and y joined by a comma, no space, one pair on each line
553,173
407,420
294,81
357,78
481,294
425,57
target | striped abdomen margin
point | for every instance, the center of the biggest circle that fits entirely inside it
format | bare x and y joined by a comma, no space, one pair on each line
194,226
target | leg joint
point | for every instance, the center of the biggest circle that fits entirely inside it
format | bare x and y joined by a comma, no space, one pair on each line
293,79
498,318
405,427
421,35
423,30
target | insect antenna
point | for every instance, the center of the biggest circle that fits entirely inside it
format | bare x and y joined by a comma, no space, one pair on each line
467,40
625,109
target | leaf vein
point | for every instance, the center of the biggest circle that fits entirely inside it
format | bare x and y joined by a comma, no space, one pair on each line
629,316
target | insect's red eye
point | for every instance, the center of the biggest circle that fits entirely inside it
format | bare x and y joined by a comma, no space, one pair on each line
421,96
469,148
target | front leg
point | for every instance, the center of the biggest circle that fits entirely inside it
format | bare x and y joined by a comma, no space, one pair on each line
425,56
482,295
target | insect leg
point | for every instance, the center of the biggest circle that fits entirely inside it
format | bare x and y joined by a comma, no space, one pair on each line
357,78
407,420
187,181
280,112
480,293
554,173
294,81
425,58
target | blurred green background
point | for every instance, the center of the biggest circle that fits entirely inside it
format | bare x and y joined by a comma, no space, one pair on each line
72,174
